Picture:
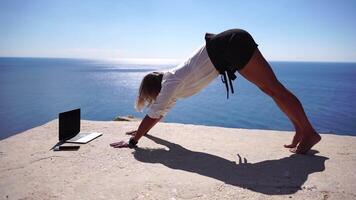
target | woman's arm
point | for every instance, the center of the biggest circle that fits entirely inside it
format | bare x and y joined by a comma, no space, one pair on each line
146,124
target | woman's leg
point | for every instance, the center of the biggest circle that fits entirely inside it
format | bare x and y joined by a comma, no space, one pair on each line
259,72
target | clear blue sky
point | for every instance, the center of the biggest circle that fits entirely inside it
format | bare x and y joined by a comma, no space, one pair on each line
302,30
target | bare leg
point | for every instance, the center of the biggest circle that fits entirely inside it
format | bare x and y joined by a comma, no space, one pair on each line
261,74
298,132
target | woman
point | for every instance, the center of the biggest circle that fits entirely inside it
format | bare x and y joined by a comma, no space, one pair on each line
225,53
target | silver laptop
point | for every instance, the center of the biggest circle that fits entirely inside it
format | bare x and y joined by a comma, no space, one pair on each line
69,128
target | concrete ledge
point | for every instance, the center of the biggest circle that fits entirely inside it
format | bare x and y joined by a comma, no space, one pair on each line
175,161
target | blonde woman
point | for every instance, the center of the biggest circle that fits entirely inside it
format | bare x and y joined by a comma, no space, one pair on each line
224,53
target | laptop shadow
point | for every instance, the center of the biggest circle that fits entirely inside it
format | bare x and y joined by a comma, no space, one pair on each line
59,147
272,177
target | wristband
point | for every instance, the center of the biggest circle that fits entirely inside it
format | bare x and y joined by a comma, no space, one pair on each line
132,143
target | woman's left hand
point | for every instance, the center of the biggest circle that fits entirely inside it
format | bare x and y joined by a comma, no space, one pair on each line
121,144
133,133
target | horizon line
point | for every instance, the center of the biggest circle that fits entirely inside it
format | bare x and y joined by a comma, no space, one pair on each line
158,61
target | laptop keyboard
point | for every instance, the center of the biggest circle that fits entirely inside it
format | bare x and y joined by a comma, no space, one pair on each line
88,137
79,136
84,137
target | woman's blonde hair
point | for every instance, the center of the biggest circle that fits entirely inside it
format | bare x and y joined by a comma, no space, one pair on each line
149,90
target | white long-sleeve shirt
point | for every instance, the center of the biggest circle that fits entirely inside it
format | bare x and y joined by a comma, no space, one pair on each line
185,80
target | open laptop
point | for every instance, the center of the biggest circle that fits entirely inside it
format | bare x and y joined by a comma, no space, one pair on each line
69,128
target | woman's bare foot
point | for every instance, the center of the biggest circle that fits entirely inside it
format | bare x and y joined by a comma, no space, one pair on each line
306,143
295,141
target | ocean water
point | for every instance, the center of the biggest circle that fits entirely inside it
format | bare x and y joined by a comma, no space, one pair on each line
34,90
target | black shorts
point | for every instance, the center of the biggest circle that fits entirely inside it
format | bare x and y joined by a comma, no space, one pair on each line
230,50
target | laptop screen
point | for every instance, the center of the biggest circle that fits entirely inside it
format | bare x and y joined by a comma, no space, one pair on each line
69,124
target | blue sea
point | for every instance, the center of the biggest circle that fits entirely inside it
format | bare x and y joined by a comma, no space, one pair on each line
34,90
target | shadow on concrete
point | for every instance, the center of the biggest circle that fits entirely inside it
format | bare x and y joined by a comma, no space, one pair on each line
273,177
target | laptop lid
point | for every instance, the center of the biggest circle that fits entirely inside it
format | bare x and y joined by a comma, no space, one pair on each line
69,124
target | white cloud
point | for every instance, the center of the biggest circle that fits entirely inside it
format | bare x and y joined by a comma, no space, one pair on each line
94,53
112,55
146,61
